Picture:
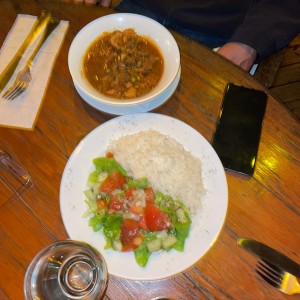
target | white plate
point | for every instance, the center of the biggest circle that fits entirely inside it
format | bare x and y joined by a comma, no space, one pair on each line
135,108
206,224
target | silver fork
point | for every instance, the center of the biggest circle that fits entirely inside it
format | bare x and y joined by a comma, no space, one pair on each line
278,278
23,77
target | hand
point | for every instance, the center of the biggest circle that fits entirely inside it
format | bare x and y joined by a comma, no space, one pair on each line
240,54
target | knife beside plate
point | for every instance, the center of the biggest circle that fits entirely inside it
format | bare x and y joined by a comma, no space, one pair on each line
270,255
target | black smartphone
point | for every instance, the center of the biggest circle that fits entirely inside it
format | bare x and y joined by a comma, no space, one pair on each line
238,130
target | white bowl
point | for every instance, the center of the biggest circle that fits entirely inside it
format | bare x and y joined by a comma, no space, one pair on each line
134,108
120,21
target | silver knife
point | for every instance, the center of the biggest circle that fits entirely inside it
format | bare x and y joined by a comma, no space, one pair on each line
271,255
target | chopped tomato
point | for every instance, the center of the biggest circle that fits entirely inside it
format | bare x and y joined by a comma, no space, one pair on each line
101,204
137,241
109,155
127,248
142,223
129,193
114,180
150,196
115,204
131,235
156,219
137,210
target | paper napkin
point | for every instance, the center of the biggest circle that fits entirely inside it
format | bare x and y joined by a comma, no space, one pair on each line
22,112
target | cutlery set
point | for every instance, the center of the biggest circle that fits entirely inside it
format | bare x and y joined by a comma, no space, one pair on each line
274,267
45,23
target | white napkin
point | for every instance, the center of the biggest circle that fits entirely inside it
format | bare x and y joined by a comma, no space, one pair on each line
22,112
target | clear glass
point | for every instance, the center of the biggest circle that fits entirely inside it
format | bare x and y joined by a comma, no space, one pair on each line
66,270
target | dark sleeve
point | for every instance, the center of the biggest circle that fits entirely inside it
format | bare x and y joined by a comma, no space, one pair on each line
269,26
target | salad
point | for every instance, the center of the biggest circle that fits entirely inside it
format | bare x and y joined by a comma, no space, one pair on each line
131,215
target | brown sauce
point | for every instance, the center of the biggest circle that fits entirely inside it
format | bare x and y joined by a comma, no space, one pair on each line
123,64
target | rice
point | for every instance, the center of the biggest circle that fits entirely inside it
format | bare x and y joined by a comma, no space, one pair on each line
167,165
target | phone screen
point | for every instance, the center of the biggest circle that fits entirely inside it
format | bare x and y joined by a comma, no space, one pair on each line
237,135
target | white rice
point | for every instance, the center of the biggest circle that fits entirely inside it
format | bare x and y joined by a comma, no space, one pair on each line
167,165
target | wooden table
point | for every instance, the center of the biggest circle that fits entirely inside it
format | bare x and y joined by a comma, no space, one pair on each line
265,207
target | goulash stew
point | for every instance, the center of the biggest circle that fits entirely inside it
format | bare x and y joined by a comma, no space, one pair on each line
123,64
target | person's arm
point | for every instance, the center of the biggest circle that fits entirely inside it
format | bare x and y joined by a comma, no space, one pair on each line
269,26
240,54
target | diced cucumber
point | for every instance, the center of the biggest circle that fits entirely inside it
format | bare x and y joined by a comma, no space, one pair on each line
90,195
95,189
169,241
92,179
102,176
162,234
181,215
154,245
117,245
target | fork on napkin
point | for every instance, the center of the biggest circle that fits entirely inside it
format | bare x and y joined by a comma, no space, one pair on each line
23,111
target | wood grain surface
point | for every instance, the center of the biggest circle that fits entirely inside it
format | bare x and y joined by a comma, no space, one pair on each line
265,207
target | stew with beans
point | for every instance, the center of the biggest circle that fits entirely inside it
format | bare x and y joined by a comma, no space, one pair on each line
123,64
